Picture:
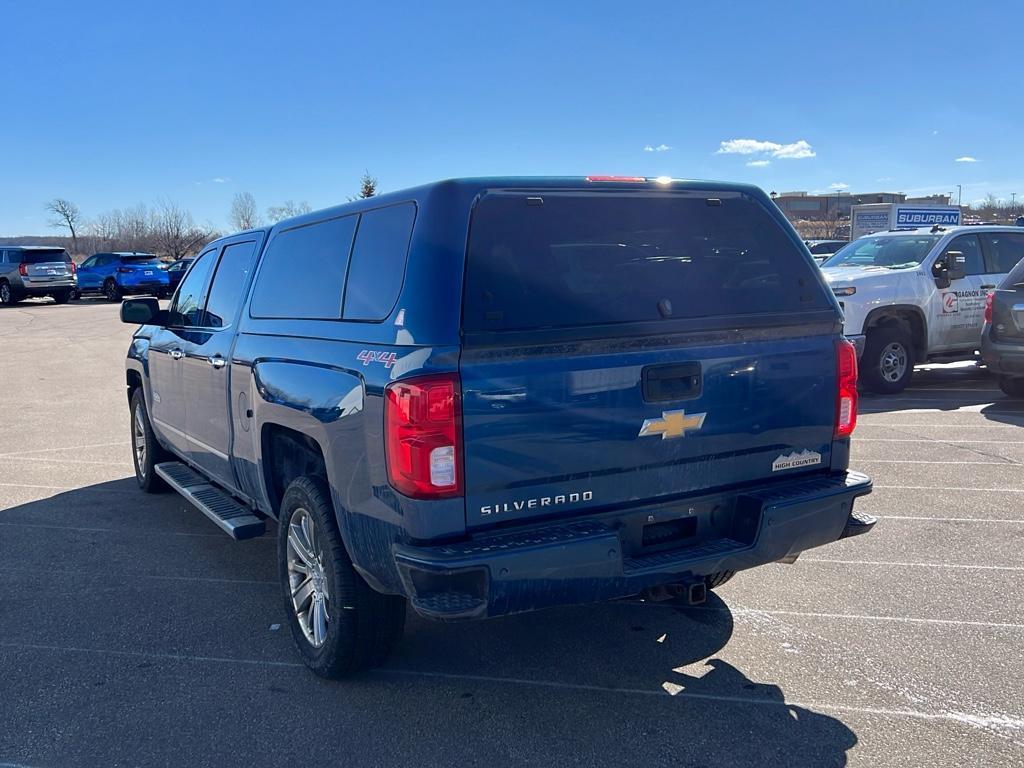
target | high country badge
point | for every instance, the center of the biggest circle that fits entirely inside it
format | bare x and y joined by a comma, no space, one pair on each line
796,459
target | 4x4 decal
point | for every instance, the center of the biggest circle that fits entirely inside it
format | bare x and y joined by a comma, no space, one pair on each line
369,356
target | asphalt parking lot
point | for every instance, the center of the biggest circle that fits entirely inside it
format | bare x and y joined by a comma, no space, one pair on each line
133,632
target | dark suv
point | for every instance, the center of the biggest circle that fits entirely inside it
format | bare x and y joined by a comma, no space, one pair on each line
1002,338
487,396
35,270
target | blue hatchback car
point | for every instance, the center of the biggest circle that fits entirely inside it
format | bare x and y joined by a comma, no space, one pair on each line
119,274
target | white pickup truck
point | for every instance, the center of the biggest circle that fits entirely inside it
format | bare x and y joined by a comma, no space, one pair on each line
918,295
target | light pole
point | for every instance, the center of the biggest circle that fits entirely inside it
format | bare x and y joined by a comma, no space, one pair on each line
959,194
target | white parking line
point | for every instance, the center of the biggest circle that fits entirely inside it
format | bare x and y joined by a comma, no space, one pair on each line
741,611
135,531
735,610
897,620
959,717
947,488
897,564
936,440
949,519
909,425
62,460
65,448
993,390
1008,463
157,577
70,487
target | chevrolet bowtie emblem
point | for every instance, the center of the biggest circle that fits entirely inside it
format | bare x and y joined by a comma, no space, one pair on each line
672,424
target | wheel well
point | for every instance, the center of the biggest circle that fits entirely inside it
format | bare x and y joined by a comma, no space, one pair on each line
287,455
134,380
910,319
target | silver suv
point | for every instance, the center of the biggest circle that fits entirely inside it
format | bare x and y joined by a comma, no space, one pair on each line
36,270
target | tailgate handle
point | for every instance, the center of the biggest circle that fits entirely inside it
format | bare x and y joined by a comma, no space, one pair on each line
665,383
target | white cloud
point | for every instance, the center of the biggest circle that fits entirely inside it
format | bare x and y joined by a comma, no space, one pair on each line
838,185
659,148
795,151
966,159
798,150
759,163
746,147
220,180
884,178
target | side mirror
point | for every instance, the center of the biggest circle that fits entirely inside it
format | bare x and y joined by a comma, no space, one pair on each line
941,273
144,311
956,263
952,265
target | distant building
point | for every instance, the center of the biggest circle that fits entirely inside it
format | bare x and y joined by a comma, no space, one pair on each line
801,206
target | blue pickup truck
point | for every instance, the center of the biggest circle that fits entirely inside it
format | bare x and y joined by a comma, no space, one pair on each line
487,396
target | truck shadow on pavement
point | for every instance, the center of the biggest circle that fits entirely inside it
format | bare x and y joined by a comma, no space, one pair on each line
656,669
623,683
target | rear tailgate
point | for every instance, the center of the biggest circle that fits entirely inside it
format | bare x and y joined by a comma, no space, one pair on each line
45,266
624,349
147,270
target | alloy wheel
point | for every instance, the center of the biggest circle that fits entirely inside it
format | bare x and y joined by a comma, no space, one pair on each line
139,440
307,578
5,293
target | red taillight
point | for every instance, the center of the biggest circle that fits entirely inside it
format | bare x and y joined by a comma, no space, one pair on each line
988,307
632,179
846,390
72,268
423,436
23,269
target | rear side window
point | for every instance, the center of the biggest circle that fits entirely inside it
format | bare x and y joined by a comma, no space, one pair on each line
570,259
303,271
1003,250
378,262
228,284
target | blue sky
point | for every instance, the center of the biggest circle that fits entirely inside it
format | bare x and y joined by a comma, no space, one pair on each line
110,104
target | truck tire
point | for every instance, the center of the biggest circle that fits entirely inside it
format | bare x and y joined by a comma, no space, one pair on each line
888,360
146,451
110,290
1012,386
340,624
716,580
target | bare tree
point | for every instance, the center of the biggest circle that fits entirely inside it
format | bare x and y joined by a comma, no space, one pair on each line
175,233
287,210
367,185
65,214
243,211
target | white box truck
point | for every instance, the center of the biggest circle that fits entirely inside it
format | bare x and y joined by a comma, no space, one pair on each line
881,217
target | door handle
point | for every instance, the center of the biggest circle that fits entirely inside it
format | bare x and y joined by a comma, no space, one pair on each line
987,287
216,361
176,354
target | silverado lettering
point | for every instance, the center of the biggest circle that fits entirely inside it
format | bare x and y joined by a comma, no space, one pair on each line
542,501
